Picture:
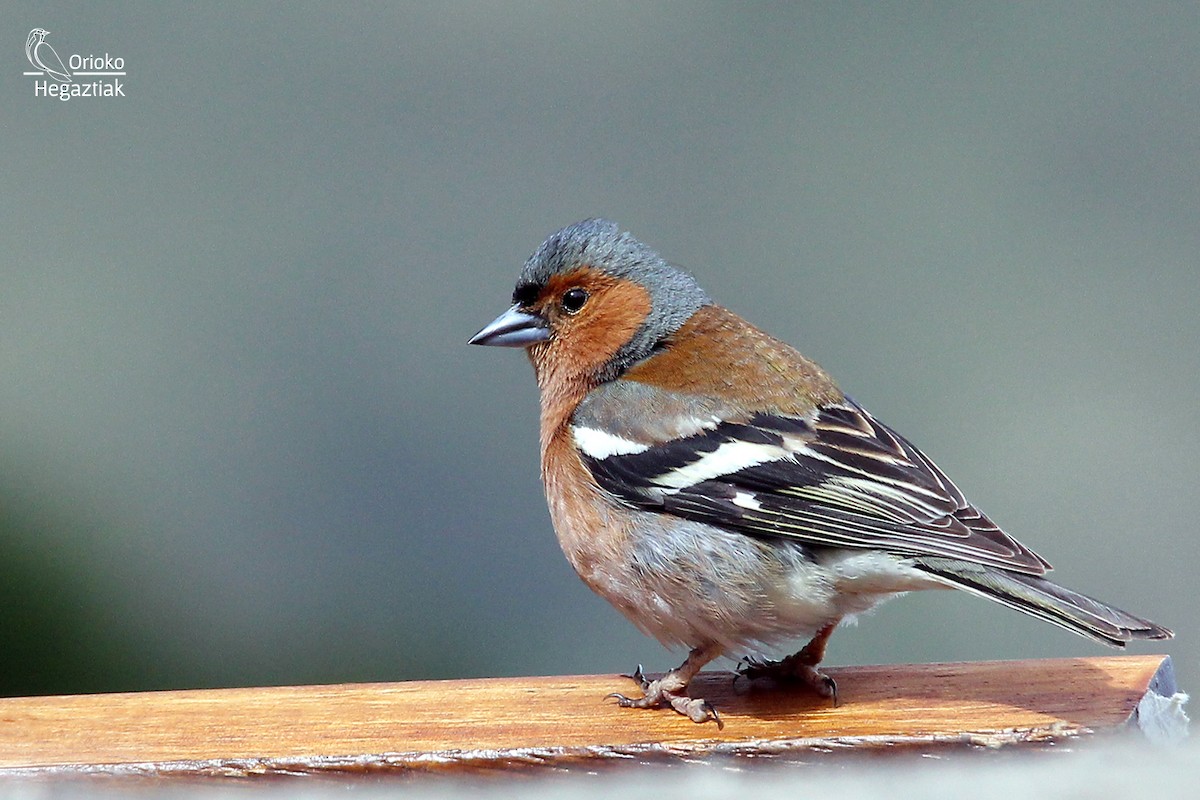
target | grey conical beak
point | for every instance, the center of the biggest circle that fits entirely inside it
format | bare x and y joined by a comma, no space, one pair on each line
513,328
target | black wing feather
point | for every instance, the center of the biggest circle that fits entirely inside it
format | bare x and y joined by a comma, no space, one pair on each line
841,479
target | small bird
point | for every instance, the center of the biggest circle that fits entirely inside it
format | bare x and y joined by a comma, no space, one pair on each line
721,491
43,56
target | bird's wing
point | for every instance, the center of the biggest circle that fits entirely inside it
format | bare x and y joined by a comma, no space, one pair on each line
835,477
51,63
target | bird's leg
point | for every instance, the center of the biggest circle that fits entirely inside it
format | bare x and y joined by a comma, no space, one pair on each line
799,667
671,689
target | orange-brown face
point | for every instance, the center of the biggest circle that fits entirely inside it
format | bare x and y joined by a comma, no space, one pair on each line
591,315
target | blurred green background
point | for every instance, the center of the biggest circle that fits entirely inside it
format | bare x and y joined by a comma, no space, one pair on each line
243,441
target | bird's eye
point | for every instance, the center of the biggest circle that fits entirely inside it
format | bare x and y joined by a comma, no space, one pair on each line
573,300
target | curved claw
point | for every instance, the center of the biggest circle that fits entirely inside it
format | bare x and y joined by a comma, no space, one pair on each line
710,712
638,676
831,686
622,700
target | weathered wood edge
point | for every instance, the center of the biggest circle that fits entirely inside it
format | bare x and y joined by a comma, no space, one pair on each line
465,762
1159,714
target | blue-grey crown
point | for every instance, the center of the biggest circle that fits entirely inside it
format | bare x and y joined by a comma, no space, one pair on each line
601,244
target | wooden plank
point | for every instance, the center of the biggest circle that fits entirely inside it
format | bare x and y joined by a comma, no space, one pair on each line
487,723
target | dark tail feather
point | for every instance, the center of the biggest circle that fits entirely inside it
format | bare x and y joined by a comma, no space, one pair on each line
1041,598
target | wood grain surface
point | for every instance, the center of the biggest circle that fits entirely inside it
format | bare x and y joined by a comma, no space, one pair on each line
554,721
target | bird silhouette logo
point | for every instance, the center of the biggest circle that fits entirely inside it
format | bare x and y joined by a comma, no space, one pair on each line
43,56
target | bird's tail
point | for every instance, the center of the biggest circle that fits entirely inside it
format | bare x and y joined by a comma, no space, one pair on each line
1049,601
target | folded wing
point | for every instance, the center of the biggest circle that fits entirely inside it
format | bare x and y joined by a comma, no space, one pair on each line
835,477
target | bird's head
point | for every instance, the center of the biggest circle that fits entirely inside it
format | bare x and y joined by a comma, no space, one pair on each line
591,302
33,40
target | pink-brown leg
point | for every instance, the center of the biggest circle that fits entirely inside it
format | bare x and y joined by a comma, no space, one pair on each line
799,667
671,689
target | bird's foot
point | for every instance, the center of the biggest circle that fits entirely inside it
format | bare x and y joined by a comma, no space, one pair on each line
668,691
793,669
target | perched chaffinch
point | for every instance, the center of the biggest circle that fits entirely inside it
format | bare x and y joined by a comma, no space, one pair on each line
719,489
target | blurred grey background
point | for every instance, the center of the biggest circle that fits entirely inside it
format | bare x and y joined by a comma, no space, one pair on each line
243,441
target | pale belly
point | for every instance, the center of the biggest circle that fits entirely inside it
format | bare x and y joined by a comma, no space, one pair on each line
688,583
